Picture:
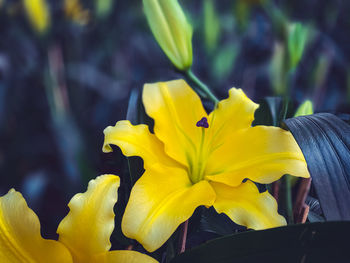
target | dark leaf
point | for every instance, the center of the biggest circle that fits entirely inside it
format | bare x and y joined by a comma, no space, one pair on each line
133,107
314,217
134,115
325,142
268,111
216,223
314,205
272,111
313,242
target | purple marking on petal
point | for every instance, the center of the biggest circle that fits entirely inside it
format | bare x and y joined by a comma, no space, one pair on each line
203,123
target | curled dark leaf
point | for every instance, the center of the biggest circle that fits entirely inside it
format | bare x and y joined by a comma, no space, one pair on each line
325,142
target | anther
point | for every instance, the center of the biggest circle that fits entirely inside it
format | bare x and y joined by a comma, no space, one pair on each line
203,123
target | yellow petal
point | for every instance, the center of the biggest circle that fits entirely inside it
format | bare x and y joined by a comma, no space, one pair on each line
176,109
232,114
262,154
246,206
87,228
20,238
136,141
124,256
160,201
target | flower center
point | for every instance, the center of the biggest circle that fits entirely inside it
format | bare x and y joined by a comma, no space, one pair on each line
203,123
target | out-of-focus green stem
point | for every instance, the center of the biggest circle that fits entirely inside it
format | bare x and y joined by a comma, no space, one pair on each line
201,86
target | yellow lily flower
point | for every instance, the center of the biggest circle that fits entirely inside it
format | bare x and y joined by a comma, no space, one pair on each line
83,234
195,159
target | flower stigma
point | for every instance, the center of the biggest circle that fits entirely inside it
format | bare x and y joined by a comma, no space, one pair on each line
203,123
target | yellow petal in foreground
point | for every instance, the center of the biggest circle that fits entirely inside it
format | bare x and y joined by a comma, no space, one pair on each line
171,30
38,14
20,238
84,232
89,224
246,206
160,201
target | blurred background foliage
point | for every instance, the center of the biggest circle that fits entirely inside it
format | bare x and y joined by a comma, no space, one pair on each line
67,69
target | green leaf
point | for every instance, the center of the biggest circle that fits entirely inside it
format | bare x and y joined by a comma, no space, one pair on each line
313,242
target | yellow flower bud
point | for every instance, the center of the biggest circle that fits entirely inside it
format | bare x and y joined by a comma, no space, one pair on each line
171,30
75,11
38,14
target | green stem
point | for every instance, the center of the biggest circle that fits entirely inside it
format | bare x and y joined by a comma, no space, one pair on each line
201,86
288,198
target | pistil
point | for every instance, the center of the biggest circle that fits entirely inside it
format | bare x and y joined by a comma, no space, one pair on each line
199,164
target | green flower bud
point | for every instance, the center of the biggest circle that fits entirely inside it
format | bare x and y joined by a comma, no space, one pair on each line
297,40
306,108
171,30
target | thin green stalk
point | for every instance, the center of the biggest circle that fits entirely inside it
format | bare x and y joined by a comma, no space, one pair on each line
201,86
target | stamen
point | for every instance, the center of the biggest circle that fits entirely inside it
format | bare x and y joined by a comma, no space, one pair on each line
203,123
